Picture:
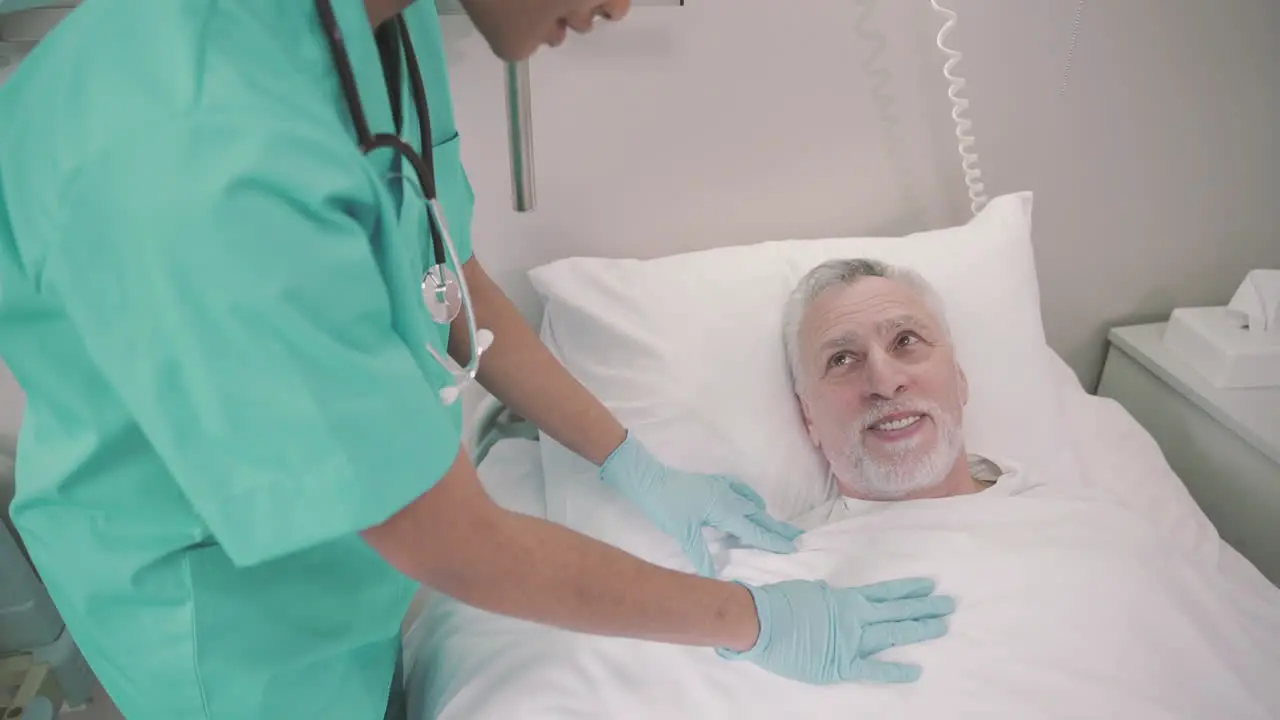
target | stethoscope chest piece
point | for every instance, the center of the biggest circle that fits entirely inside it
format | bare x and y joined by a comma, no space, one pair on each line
441,293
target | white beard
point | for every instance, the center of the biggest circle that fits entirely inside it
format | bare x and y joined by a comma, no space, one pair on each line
908,470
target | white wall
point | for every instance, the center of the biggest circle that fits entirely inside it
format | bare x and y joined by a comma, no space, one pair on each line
734,121
11,402
1159,175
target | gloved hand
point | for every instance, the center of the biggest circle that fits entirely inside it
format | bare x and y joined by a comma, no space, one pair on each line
822,635
682,503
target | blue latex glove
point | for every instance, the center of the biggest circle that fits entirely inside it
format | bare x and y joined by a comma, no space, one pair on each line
682,503
822,635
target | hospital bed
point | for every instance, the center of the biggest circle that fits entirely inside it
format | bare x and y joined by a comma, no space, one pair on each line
465,663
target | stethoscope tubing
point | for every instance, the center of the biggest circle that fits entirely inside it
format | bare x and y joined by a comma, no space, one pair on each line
423,165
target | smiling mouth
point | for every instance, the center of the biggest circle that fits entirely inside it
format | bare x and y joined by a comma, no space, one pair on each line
896,425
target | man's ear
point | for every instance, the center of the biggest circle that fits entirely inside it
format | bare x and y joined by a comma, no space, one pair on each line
808,420
964,385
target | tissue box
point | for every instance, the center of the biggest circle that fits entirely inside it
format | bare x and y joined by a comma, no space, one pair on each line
1212,341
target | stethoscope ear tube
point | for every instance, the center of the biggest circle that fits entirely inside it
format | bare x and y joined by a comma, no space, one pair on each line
423,165
424,162
346,76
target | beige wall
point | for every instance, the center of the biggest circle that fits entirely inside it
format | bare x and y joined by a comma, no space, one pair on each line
1157,172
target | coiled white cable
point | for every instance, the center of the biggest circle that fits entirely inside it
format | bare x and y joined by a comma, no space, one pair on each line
968,157
1071,49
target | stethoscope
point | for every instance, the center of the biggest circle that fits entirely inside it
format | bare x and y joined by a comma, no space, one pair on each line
444,291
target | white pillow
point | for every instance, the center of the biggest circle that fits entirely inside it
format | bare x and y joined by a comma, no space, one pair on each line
687,352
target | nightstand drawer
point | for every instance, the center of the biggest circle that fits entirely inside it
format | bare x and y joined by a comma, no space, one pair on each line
1236,484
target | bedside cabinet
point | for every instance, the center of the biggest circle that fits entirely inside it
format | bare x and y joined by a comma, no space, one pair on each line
1223,444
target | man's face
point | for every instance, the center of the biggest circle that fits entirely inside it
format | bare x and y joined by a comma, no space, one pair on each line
515,29
880,388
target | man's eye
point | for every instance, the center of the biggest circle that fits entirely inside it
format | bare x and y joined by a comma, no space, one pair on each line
907,339
841,359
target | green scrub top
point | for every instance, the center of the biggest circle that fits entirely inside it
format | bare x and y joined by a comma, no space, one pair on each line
212,301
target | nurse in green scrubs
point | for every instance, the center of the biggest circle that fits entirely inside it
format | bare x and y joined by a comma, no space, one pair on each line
236,465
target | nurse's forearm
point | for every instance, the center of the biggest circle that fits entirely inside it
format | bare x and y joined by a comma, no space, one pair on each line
521,372
540,571
454,539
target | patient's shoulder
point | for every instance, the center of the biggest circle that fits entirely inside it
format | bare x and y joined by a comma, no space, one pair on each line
986,470
1012,478
1003,476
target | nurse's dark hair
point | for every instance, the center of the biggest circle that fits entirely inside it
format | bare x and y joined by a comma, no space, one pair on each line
839,273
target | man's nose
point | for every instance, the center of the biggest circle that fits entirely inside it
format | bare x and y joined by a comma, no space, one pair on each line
886,377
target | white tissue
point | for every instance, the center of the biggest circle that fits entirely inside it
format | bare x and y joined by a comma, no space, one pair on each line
1258,301
1236,346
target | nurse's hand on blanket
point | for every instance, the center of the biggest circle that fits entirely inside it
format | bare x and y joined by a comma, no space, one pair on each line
682,503
822,635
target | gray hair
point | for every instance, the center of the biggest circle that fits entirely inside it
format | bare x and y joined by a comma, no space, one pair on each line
837,273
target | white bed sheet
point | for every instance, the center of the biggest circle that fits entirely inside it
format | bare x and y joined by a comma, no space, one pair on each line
1212,651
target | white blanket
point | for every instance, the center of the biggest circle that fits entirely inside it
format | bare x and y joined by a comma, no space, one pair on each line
1068,608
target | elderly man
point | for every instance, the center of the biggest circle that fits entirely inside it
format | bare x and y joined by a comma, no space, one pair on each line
879,385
